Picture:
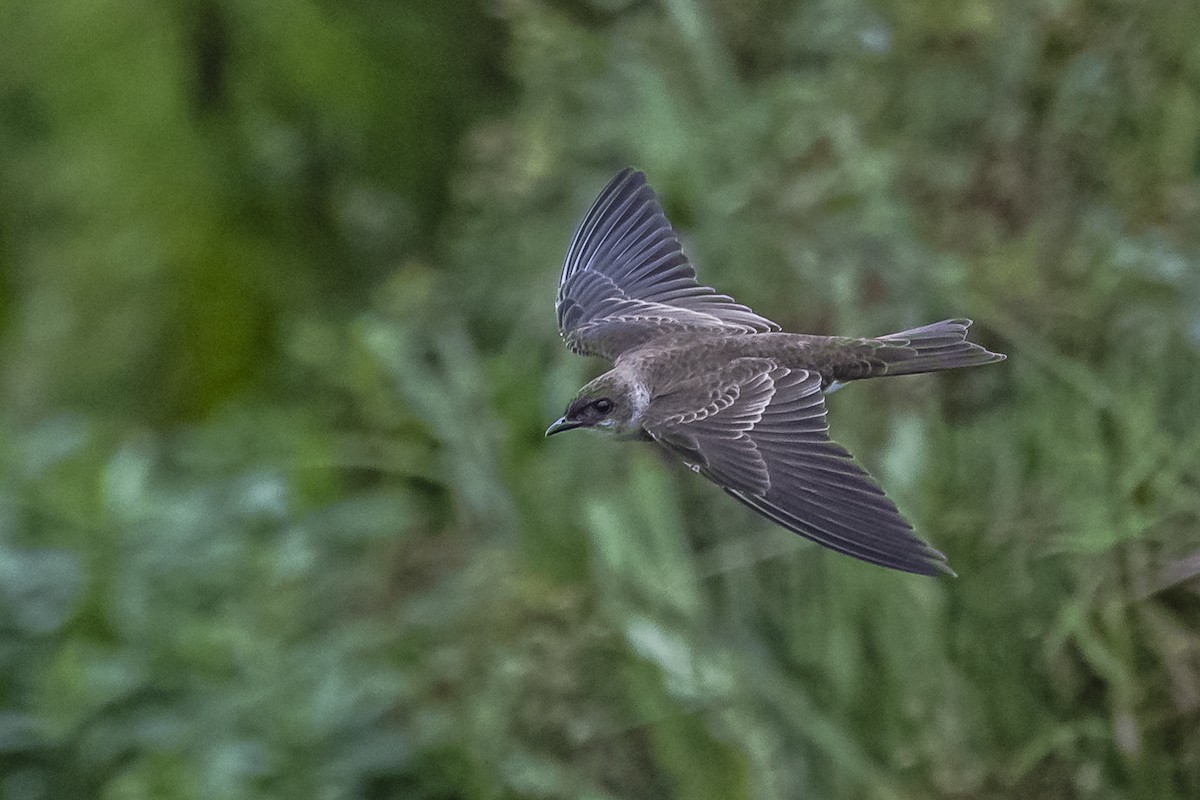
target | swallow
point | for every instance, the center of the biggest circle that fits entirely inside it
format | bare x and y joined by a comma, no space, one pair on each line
739,401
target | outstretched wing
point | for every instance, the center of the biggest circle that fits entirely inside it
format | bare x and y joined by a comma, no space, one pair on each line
625,279
759,431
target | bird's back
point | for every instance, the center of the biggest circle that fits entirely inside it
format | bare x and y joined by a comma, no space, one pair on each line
681,357
671,361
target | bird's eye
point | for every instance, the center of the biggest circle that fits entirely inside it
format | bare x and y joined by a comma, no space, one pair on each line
603,405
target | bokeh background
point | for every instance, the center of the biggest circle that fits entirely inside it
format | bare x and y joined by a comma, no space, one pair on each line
277,518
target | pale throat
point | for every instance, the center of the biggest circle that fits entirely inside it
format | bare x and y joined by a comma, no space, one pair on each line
639,400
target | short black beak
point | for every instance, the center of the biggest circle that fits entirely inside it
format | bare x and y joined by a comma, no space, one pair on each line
562,424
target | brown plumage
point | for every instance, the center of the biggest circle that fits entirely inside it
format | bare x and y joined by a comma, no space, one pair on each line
718,385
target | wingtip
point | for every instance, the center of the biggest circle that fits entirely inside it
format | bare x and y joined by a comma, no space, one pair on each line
629,179
629,175
945,569
936,560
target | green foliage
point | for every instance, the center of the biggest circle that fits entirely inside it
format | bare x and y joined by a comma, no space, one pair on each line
276,515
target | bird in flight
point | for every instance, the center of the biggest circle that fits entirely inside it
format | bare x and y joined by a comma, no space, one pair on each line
741,402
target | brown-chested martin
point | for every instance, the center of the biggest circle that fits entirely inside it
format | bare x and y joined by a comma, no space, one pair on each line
741,403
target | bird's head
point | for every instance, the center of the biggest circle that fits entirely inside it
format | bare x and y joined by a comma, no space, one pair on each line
610,404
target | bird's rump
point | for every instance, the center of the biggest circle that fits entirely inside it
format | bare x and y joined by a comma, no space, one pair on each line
759,431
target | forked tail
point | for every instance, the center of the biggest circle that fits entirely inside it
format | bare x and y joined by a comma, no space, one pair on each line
930,348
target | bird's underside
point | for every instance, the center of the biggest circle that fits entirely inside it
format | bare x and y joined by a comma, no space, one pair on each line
719,386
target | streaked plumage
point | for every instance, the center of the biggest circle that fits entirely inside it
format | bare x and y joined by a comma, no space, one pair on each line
718,385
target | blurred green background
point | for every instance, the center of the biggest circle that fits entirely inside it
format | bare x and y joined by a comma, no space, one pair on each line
277,518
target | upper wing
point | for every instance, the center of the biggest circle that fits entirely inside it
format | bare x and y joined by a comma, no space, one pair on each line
625,279
759,431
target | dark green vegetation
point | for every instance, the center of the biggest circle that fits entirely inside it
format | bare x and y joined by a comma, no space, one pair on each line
277,518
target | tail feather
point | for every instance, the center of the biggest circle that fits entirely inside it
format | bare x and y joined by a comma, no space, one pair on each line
930,348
